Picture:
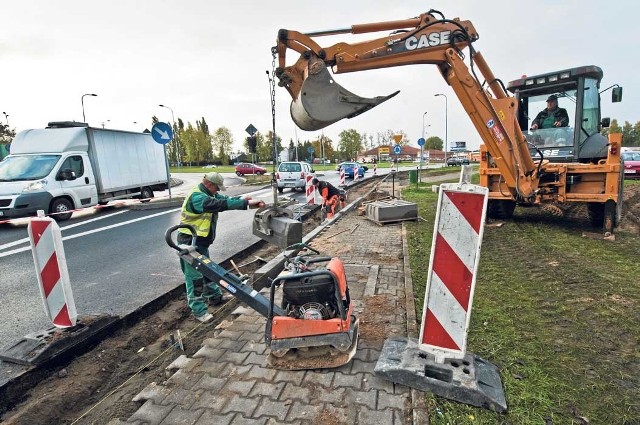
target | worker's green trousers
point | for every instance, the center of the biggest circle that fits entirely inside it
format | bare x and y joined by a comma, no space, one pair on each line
198,289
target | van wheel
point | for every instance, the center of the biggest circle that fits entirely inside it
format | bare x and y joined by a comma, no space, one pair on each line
281,189
146,194
59,208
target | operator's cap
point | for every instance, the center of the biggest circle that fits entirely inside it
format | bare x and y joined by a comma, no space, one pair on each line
216,179
552,98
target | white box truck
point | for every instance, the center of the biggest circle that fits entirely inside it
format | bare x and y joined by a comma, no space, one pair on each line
69,165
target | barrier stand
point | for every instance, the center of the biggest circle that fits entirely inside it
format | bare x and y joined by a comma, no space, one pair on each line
343,181
51,270
57,298
375,169
311,190
356,173
438,361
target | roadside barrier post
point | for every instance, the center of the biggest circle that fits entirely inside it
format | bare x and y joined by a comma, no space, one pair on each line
342,177
375,169
438,362
51,270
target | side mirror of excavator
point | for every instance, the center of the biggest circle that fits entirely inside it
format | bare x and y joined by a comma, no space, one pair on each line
616,95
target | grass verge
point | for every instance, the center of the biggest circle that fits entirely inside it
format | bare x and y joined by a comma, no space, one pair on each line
557,312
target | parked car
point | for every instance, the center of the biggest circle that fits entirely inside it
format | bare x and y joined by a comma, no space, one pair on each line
293,175
350,167
457,161
631,164
248,168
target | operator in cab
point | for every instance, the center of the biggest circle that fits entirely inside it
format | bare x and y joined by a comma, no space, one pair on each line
552,116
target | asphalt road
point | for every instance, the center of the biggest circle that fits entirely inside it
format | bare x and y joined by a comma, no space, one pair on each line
117,258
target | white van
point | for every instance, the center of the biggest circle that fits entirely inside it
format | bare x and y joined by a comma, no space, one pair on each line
69,165
293,175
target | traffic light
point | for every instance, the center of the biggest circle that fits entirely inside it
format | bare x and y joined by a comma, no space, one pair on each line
252,141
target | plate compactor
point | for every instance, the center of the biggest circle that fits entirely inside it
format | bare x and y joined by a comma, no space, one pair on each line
313,327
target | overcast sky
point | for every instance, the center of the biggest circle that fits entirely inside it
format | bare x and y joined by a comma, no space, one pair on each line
208,58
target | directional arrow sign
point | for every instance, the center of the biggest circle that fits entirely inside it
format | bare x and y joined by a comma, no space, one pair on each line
397,149
421,141
162,133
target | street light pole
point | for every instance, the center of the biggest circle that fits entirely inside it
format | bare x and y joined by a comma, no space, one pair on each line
446,126
173,123
164,147
84,119
6,117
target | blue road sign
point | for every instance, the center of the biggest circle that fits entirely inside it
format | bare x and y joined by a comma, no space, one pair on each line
397,149
421,141
310,149
162,133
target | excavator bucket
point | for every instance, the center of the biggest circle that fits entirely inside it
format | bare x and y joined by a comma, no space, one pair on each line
322,101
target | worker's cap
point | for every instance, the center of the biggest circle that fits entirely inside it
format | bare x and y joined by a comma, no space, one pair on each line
216,179
552,98
315,181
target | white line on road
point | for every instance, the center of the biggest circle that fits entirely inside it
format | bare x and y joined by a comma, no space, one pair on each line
26,240
89,232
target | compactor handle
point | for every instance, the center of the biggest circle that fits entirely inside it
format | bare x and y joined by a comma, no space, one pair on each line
169,240
311,260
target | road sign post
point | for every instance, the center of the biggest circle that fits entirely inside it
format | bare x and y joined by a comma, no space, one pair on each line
162,133
421,143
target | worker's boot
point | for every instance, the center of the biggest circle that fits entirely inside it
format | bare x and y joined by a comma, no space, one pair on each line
219,299
329,215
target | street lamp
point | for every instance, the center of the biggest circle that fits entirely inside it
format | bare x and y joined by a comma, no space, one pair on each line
82,101
173,123
6,117
446,127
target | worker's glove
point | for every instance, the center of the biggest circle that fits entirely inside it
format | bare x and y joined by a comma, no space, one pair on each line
255,203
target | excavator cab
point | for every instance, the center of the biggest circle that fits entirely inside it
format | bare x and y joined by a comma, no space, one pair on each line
576,90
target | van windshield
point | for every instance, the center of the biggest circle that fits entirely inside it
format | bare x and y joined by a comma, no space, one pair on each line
27,167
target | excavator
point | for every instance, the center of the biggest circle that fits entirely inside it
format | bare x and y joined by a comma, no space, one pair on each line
519,165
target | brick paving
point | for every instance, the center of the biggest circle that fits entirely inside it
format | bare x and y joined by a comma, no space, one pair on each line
228,382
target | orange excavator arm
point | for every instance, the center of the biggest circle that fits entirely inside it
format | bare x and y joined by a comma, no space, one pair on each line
319,101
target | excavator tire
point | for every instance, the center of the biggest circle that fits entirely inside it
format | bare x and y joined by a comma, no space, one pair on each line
596,214
500,209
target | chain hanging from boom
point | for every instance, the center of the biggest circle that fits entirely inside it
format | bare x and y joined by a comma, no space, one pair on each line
272,92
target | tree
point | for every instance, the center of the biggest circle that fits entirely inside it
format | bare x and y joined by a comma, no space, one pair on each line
265,152
636,132
386,138
433,142
318,145
222,143
350,143
628,135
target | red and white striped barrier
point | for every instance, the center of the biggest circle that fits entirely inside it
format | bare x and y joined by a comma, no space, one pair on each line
356,172
375,170
343,179
311,190
51,269
455,254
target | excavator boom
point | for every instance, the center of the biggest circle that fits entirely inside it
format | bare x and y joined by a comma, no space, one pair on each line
319,101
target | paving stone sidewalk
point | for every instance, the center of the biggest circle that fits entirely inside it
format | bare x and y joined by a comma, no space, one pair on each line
227,380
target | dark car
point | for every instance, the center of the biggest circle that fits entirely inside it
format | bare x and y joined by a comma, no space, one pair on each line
457,160
248,168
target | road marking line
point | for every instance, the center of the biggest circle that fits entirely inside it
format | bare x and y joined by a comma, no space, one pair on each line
26,240
89,232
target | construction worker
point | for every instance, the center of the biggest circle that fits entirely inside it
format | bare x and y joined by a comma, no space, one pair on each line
200,209
330,196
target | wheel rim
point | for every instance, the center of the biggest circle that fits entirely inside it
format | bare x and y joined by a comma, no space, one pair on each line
61,208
